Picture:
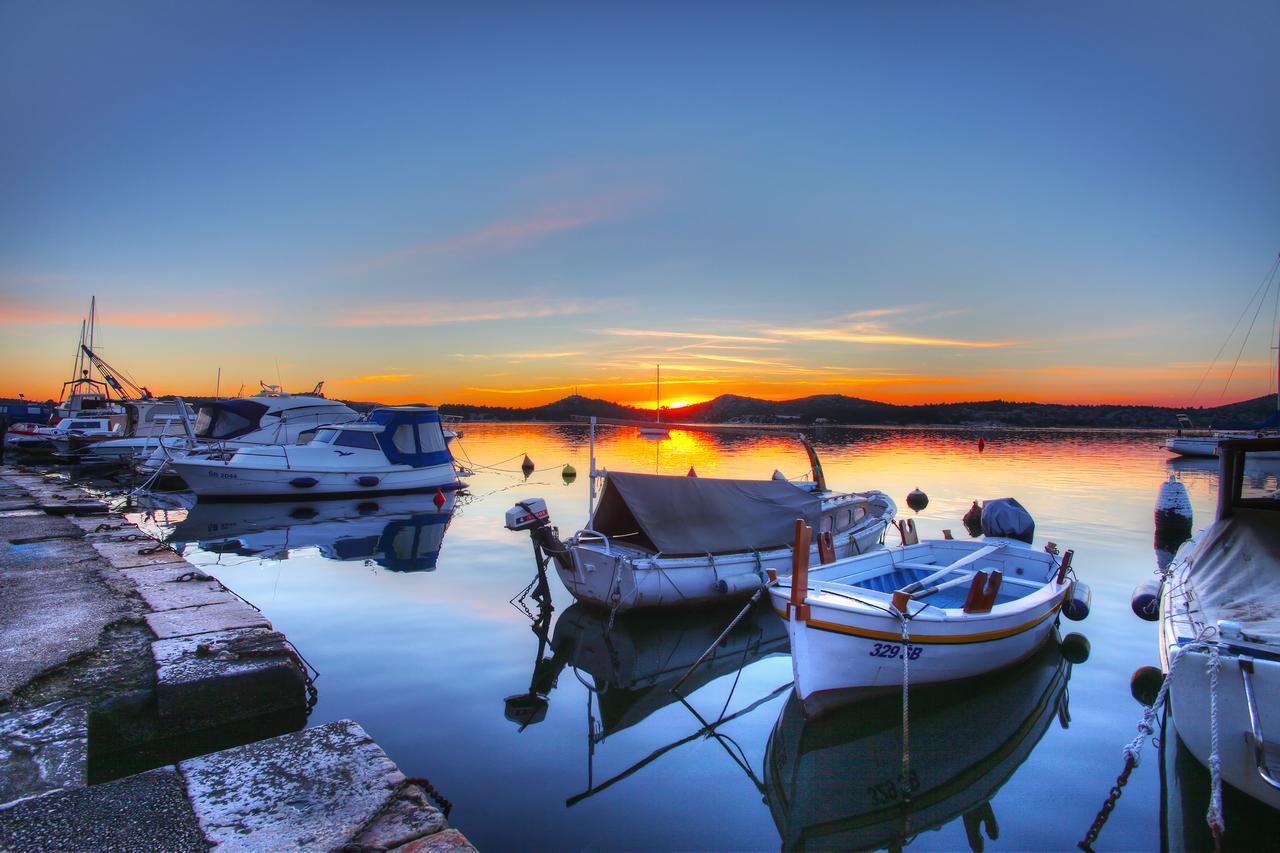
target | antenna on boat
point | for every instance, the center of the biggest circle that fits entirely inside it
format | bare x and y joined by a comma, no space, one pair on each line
657,399
217,385
591,472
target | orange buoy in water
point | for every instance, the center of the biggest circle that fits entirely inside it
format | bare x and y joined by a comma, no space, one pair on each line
439,498
692,473
982,443
973,520
527,465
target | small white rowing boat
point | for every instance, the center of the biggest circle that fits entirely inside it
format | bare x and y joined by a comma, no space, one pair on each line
928,612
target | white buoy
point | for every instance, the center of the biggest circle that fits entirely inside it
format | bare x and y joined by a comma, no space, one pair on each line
1173,519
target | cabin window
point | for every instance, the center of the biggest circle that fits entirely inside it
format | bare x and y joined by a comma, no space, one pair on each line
356,438
402,438
326,436
844,520
429,436
825,527
84,425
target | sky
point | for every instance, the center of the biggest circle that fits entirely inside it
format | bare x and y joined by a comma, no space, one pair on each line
502,203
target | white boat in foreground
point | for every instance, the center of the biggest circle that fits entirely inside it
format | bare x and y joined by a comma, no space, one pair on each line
931,612
666,541
398,449
1220,608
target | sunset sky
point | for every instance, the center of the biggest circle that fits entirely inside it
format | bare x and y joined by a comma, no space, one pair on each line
501,203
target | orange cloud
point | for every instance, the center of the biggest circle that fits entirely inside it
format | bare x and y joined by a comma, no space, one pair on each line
21,314
847,337
651,333
383,377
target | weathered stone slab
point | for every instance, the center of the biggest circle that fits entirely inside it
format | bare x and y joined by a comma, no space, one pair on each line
19,511
441,842
172,593
212,679
43,749
315,789
409,815
148,811
187,621
124,555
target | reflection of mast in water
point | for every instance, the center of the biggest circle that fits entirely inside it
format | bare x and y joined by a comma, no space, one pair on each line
836,781
629,670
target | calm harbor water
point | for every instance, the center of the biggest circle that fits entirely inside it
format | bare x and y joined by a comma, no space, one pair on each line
549,732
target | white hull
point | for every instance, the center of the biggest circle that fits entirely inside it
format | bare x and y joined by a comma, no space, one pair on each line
1207,446
850,644
220,480
616,576
1189,695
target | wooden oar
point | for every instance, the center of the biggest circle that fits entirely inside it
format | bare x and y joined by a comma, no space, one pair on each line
984,551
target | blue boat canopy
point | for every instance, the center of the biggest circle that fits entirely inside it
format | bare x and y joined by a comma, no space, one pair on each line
412,436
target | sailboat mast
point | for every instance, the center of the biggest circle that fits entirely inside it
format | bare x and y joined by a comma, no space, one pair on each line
657,398
93,310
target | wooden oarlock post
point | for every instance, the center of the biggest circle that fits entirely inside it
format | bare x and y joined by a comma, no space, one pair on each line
800,571
1066,564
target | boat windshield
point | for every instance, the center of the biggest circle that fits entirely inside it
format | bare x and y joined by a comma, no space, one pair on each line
228,420
325,436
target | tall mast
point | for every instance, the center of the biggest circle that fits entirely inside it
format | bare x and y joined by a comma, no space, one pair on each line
657,399
93,310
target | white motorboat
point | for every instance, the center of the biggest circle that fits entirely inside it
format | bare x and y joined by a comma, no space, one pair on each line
148,421
1220,611
271,416
398,449
30,437
664,541
72,434
33,438
928,612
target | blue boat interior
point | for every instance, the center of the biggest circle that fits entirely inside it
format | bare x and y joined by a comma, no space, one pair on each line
947,599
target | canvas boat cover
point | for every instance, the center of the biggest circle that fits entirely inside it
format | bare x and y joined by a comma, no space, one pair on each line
1234,573
701,515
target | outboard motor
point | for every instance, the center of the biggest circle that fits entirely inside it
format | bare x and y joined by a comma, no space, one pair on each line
532,515
1006,518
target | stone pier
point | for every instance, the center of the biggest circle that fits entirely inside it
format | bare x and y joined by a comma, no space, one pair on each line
144,704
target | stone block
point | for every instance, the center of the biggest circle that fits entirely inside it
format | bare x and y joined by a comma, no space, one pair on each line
441,842
316,789
407,816
124,555
42,749
213,679
187,621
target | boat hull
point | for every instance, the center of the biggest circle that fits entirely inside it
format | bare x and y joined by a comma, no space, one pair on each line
614,579
221,481
1189,702
837,658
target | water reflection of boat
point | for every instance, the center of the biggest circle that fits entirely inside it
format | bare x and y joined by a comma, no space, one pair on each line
836,782
402,533
634,666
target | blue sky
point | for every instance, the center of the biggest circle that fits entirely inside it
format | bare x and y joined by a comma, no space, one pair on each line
417,201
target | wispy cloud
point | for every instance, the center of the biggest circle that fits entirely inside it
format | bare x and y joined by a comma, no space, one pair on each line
445,313
375,378
677,380
22,314
519,356
884,338
701,336
512,233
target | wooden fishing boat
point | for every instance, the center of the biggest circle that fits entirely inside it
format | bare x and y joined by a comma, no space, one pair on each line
925,612
1220,611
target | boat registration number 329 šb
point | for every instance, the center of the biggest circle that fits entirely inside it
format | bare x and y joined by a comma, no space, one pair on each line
893,650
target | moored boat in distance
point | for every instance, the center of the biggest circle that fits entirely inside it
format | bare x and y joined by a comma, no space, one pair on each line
398,449
941,610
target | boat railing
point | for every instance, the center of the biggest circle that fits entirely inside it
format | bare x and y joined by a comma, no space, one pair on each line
577,537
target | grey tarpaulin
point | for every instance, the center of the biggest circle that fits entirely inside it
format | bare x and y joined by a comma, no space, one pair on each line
1005,517
700,515
1234,573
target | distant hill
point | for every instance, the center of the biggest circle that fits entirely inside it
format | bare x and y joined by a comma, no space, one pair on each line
841,409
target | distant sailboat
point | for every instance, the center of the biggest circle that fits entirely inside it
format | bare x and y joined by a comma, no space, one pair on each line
657,431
